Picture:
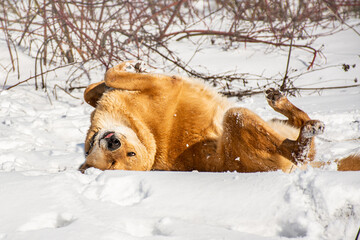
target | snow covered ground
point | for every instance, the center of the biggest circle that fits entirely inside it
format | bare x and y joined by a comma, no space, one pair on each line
43,196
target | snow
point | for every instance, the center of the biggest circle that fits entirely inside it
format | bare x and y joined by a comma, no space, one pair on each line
191,205
43,196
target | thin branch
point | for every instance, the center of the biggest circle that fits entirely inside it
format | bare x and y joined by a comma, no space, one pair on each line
38,75
252,92
283,85
64,90
340,19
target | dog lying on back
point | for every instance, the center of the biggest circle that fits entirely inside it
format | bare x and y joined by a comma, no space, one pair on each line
148,121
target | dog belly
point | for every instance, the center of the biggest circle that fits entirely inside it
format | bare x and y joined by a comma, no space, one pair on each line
284,129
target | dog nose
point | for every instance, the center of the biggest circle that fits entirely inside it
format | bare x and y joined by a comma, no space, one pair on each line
112,141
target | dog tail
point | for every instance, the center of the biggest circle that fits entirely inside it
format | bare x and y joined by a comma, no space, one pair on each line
350,163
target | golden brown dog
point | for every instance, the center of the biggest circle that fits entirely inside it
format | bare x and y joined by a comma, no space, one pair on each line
148,121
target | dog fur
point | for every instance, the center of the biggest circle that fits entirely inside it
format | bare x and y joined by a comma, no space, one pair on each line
148,121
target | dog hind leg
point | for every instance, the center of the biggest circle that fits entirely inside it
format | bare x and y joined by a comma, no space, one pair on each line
302,149
280,103
249,144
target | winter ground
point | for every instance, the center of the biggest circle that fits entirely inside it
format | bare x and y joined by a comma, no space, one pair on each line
43,196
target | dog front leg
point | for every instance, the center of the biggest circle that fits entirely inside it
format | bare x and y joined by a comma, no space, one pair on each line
129,76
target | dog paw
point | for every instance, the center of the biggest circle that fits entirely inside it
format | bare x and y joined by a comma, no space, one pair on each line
275,98
312,128
273,95
133,66
136,67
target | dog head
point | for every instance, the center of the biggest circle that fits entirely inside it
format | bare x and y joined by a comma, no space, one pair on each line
116,148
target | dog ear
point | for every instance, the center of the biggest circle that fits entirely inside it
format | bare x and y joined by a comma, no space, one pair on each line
94,92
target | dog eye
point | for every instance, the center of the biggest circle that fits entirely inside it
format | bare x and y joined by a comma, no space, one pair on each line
131,154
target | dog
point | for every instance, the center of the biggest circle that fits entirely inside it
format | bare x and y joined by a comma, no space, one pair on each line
145,121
